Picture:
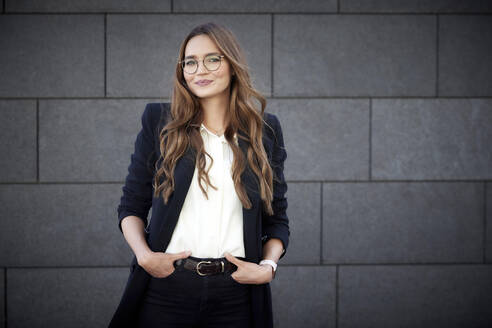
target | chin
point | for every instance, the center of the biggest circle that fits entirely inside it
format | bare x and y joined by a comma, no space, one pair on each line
205,94
208,93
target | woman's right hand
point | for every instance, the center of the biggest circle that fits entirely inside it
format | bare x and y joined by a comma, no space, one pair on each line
161,265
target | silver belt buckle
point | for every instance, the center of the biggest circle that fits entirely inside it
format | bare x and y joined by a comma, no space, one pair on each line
198,267
204,274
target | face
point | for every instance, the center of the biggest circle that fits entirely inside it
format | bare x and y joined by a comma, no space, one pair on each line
199,46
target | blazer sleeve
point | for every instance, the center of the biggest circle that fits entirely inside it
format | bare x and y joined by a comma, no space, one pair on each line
277,225
137,190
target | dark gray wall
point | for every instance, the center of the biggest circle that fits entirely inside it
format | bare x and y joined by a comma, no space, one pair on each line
387,115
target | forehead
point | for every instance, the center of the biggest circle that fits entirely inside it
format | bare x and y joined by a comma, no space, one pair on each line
200,46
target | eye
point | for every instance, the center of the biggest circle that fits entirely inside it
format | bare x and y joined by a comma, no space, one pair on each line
213,59
190,62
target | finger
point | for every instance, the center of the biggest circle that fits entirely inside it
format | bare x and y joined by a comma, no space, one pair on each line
231,258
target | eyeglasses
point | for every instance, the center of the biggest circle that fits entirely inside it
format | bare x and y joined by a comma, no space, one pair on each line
211,63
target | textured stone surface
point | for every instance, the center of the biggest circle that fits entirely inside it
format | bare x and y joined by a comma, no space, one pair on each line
354,55
304,296
143,50
415,296
2,297
256,6
412,6
87,140
304,208
64,297
324,138
52,55
403,222
431,139
488,236
88,6
61,225
18,141
465,46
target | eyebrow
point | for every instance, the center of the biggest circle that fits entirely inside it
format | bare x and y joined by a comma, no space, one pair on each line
210,53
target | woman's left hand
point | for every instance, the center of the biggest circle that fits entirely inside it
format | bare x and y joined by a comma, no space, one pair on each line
250,273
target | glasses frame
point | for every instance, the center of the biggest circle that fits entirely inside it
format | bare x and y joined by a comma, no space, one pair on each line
203,63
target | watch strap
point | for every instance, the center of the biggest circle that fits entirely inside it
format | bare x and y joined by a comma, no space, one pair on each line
272,263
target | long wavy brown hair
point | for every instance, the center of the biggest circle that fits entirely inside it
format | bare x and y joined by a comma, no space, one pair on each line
182,129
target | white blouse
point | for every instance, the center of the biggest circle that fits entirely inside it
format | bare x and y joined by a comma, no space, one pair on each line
211,227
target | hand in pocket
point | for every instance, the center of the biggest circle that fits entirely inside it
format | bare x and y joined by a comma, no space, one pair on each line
161,265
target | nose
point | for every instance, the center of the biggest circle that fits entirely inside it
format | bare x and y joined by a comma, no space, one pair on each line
201,67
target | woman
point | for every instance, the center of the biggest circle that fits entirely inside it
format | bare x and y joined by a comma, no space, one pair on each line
217,191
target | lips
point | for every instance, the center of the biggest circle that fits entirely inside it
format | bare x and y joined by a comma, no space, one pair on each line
204,82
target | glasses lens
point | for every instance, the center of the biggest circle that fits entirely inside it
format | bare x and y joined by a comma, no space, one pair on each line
190,65
212,62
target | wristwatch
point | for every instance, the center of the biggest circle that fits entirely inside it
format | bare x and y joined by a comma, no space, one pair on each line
272,263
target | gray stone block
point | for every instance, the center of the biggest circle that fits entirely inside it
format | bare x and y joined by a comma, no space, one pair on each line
431,139
304,223
143,50
415,296
465,46
354,55
488,236
88,6
412,6
403,222
257,6
2,297
304,296
324,138
61,225
87,140
18,141
52,55
64,297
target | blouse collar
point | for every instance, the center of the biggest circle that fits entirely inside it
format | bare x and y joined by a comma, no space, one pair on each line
222,138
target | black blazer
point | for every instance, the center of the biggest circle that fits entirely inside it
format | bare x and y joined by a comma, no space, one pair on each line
138,198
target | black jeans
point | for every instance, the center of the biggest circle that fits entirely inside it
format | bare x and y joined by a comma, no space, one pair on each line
186,299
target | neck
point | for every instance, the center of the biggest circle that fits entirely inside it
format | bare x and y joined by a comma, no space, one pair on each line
214,111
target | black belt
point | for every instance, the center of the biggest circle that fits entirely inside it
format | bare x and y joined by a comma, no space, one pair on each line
206,267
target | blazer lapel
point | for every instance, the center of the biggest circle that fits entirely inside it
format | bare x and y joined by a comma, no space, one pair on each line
251,233
183,174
